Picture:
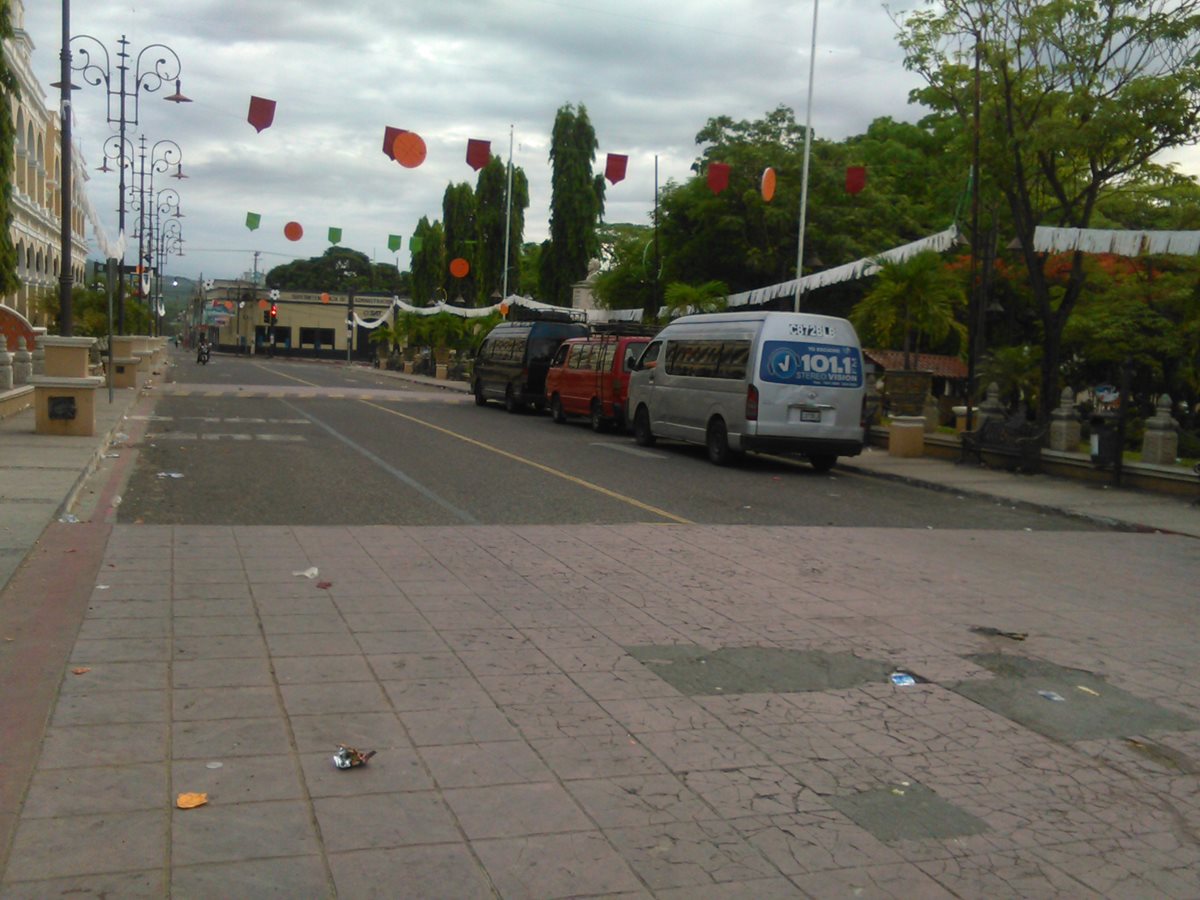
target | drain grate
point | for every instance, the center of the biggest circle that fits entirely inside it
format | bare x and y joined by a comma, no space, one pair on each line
907,812
1090,707
696,671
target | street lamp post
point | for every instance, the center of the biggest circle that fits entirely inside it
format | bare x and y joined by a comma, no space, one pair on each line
168,239
123,101
163,156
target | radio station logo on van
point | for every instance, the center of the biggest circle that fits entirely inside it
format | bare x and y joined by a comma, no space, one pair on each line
819,365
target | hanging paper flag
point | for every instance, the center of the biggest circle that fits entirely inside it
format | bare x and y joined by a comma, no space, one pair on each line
478,153
768,184
856,179
324,298
614,168
718,177
145,283
262,304
293,231
408,149
335,235
389,140
274,294
395,242
262,113
414,244
459,267
253,220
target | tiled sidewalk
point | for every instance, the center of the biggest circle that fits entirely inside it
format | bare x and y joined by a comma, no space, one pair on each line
529,745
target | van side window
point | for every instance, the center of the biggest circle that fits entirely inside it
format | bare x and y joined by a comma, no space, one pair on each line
561,356
708,358
649,354
631,356
604,357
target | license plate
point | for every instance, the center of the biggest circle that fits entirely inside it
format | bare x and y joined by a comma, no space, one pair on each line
810,415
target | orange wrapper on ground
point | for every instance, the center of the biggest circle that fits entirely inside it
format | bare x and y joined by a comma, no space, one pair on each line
191,801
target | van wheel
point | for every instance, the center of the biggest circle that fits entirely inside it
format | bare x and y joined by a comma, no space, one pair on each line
510,400
597,416
480,400
556,410
717,442
641,428
822,462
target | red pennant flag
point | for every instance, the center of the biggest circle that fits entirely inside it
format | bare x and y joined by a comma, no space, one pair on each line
718,177
389,140
478,153
614,169
856,179
262,113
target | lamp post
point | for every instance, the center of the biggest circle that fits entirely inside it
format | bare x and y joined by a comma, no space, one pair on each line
168,240
65,322
163,155
124,85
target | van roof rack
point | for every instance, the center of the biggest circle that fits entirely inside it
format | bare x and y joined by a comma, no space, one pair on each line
519,313
625,329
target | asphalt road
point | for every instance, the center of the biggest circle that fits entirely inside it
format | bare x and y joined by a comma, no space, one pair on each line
259,441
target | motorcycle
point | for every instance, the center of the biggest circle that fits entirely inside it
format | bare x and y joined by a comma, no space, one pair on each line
202,355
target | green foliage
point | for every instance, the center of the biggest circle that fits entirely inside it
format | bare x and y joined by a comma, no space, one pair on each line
89,309
462,239
1015,370
9,280
681,299
1076,99
337,269
917,297
576,205
491,210
429,262
629,280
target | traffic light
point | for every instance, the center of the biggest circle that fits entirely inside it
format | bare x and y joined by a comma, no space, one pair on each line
274,313
266,317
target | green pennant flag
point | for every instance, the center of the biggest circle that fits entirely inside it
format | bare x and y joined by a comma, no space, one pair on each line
253,220
335,235
414,244
395,242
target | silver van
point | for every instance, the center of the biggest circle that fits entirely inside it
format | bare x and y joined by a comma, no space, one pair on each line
767,381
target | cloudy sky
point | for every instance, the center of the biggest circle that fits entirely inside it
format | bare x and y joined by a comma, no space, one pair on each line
650,73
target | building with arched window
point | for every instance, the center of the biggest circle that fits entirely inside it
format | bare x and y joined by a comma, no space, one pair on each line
36,195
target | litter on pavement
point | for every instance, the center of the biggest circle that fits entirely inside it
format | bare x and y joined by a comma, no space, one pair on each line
190,801
348,757
310,572
1052,695
996,632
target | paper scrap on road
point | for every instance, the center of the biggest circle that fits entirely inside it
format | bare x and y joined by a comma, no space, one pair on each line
1087,690
347,757
81,670
170,474
324,585
1052,695
190,800
310,572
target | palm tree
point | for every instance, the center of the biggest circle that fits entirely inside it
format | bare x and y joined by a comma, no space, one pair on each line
680,299
915,297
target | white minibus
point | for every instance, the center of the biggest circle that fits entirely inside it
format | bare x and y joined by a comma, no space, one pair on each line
775,382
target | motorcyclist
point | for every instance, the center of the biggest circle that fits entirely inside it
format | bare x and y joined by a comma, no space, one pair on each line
202,349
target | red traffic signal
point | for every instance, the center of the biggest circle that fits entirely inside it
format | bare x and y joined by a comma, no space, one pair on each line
274,313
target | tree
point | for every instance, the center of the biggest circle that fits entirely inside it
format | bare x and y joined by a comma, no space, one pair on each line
1076,99
462,240
576,205
919,296
491,203
337,269
428,261
628,282
681,299
9,280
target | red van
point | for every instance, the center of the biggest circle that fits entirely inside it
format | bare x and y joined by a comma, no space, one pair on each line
590,377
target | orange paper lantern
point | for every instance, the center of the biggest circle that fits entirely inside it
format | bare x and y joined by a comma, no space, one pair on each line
459,267
408,149
262,304
324,298
768,184
293,231
504,309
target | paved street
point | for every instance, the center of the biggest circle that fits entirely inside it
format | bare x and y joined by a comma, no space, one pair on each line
609,702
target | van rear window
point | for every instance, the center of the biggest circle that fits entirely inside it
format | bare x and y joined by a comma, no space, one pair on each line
708,359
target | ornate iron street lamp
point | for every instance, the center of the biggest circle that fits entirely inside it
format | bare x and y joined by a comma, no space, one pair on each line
123,85
162,156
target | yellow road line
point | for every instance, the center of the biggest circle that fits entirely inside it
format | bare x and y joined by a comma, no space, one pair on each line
286,375
536,465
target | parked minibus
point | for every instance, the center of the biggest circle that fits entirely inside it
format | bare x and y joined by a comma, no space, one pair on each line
512,361
774,382
590,377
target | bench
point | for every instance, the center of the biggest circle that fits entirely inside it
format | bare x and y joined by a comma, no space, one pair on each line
1016,440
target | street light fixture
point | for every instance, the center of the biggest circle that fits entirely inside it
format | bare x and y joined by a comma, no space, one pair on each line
148,74
163,155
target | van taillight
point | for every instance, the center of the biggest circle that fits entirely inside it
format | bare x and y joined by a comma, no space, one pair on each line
752,404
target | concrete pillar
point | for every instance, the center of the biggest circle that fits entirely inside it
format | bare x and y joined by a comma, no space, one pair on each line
1160,445
931,413
1065,431
22,364
39,355
991,407
906,436
6,367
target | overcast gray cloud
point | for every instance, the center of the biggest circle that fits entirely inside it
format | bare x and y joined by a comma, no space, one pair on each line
650,73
